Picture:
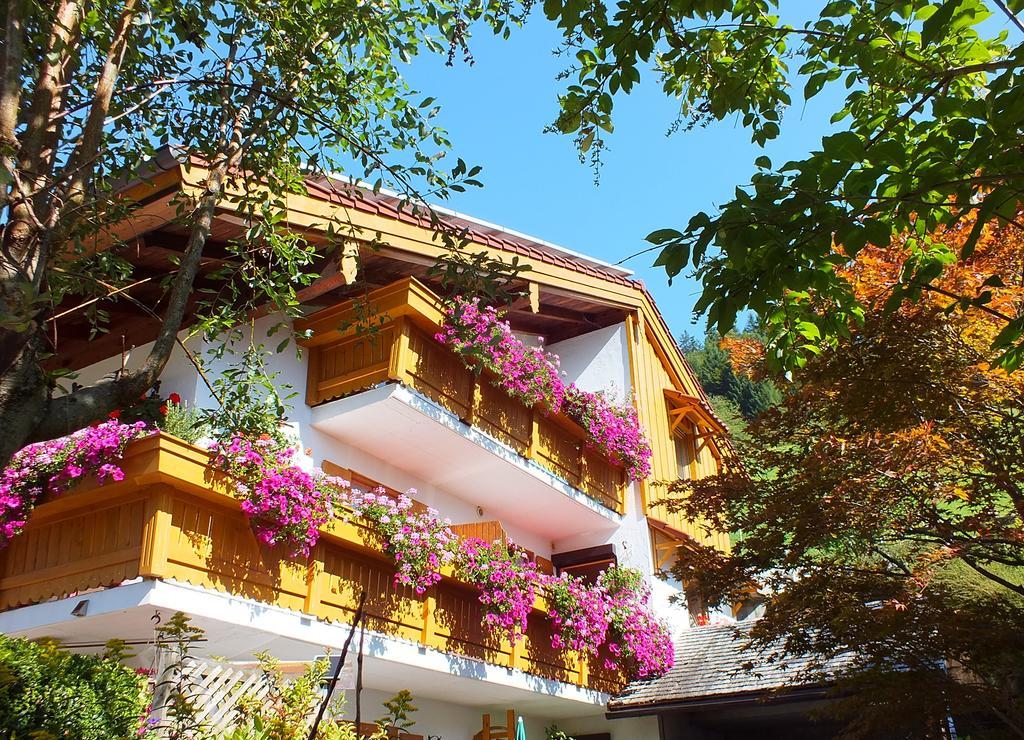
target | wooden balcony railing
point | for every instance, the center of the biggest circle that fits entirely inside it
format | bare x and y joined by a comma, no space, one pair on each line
401,347
173,518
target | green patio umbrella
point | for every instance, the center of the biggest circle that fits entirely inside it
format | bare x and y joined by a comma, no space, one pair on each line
520,729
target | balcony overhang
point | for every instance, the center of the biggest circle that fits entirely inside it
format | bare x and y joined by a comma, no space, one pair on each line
235,628
415,434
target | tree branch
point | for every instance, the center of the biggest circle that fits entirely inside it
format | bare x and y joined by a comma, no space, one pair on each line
83,158
1010,14
10,93
80,407
1016,588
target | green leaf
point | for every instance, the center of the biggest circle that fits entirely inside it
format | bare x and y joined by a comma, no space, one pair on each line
936,24
878,232
845,146
809,329
663,235
814,84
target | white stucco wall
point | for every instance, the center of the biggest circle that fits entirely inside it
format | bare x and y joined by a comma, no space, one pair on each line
597,361
179,376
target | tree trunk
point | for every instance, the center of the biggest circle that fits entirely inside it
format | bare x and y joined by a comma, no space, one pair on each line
23,396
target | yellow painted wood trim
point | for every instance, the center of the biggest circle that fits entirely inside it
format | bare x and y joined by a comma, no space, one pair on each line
63,571
156,533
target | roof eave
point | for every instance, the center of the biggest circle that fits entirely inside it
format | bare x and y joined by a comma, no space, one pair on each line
762,696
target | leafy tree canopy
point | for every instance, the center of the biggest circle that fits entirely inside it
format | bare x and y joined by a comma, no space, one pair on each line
881,504
264,94
928,133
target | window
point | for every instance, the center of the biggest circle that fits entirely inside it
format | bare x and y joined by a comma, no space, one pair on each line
686,460
694,429
665,546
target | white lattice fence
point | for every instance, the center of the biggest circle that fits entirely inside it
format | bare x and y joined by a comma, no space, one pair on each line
216,689
219,686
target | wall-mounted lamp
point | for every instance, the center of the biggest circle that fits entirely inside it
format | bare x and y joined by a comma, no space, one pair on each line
81,608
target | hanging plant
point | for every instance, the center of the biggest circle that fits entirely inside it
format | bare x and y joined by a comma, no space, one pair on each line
579,612
639,643
286,505
54,466
613,429
420,542
484,341
507,582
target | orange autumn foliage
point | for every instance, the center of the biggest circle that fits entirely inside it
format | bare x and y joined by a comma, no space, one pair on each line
746,354
999,251
877,271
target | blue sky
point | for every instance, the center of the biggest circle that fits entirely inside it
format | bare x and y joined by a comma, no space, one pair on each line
495,112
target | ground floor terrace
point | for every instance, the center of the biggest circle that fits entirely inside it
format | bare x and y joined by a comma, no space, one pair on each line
451,692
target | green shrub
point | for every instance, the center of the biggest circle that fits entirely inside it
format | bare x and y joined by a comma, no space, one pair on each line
48,692
184,422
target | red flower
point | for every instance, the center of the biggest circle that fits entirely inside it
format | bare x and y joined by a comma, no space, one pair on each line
115,414
174,398
163,410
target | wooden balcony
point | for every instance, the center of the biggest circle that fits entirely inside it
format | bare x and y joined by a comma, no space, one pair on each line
398,345
173,518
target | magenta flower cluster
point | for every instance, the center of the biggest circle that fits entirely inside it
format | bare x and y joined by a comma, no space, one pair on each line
507,581
613,429
579,612
485,341
286,505
613,614
420,542
46,468
638,643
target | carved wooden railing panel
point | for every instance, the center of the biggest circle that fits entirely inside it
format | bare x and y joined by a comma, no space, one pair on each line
488,531
171,518
602,480
502,417
65,552
355,362
558,451
404,350
434,371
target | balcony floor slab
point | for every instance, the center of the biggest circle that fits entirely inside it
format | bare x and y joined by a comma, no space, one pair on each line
236,628
417,435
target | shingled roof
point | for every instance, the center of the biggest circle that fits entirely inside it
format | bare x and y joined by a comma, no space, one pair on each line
712,664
